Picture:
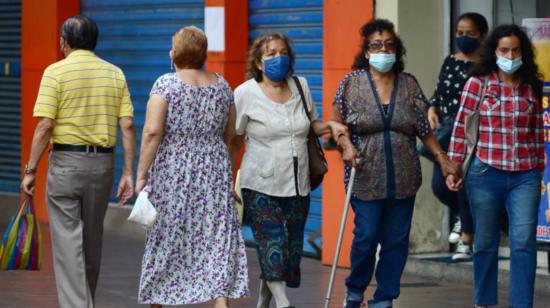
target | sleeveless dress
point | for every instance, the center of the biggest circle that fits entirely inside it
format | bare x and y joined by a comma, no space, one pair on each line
195,251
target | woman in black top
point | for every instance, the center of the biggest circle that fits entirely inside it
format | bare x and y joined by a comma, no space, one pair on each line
471,29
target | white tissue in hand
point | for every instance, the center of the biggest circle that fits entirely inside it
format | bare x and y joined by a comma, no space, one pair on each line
144,212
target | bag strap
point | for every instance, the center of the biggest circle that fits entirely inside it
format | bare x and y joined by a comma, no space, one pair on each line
478,103
30,205
26,206
483,89
301,91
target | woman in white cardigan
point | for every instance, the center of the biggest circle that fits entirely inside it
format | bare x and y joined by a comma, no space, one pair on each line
274,171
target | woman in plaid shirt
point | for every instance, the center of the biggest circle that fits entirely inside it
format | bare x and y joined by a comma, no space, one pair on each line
505,173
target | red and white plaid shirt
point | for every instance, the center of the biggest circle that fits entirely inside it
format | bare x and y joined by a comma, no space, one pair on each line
511,135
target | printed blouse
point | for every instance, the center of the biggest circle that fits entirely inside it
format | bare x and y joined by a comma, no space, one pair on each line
387,142
452,77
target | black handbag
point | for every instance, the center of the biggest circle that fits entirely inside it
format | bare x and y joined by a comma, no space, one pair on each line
318,166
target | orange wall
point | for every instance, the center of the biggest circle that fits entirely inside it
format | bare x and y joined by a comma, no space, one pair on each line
231,63
341,41
40,24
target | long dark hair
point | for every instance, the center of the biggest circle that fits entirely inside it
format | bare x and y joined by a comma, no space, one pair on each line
371,27
528,73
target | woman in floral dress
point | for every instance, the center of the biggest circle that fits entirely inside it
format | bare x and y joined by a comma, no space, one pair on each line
195,251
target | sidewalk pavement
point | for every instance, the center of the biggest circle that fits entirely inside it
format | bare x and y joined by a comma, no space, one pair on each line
439,266
120,272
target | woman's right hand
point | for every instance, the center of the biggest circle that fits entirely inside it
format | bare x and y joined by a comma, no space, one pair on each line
453,182
140,184
338,130
433,117
350,155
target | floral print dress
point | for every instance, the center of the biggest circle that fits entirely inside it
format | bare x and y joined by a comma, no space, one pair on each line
195,251
451,81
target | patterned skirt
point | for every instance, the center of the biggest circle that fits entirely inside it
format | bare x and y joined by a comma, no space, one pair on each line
277,224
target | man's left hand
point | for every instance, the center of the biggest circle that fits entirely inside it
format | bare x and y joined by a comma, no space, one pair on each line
125,189
27,185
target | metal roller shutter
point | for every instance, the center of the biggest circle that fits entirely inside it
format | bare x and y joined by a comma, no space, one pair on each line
136,36
302,21
10,94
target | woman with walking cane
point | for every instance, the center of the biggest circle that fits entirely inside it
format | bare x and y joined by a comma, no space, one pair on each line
384,109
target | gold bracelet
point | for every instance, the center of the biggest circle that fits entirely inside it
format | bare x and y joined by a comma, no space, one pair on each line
29,170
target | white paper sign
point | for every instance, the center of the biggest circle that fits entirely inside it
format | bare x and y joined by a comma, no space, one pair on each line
214,27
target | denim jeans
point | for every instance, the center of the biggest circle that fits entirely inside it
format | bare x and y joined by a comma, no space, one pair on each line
491,192
386,222
456,201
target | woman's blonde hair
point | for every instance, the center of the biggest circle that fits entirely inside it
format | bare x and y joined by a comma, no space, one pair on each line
189,47
256,52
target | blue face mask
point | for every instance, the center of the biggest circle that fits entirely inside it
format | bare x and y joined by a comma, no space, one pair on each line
277,68
382,62
509,66
467,44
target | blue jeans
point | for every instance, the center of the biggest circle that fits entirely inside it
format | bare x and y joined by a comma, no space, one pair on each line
386,222
491,192
456,201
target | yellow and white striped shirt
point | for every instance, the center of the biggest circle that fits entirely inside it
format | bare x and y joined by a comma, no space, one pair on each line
86,96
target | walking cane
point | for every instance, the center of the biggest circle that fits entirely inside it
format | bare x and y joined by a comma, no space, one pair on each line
340,236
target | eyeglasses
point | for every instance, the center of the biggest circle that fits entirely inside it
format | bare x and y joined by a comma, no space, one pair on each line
376,46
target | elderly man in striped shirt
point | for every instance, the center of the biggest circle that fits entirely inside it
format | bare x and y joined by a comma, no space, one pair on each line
81,101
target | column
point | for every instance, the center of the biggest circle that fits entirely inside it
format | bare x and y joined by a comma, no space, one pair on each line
40,22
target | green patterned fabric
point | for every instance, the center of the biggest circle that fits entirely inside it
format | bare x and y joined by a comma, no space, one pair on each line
278,227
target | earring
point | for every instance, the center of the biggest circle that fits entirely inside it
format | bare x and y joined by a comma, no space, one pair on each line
171,65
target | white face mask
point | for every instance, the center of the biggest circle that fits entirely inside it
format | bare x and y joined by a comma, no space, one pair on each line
382,62
509,66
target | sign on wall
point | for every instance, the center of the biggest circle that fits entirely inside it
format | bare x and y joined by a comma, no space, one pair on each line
538,30
543,226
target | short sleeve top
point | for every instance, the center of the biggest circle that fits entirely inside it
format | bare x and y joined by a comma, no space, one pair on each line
276,135
85,96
